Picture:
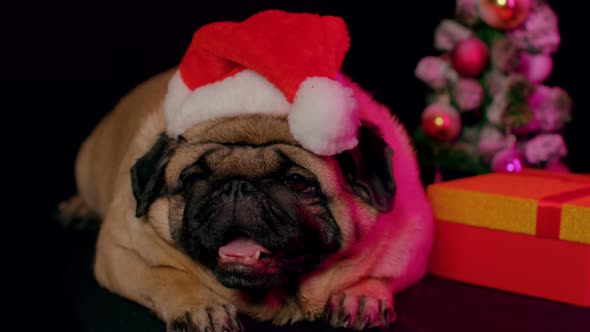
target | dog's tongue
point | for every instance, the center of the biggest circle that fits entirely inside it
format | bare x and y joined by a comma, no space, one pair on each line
242,247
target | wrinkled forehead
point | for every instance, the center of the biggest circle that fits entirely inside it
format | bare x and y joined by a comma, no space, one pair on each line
249,130
253,144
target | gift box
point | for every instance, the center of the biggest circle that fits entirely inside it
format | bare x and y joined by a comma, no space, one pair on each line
526,232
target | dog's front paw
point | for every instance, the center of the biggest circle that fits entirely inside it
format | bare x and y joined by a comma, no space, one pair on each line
215,318
360,307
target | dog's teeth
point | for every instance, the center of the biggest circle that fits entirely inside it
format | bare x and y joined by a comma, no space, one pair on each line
257,256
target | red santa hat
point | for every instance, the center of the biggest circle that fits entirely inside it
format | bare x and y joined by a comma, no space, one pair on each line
276,63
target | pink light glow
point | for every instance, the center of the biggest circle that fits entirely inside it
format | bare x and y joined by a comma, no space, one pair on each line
514,165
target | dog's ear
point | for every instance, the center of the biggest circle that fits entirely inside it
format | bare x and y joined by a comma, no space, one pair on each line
147,174
367,169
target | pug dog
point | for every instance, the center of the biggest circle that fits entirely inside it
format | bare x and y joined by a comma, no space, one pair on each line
234,216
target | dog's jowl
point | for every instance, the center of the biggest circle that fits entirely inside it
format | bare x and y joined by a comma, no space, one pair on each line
256,178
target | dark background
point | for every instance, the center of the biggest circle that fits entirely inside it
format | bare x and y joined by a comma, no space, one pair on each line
66,63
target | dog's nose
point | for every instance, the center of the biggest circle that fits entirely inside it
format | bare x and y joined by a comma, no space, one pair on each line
237,189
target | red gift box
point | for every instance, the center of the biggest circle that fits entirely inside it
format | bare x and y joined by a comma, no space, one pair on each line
526,233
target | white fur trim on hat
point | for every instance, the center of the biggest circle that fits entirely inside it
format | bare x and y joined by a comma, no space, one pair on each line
242,93
324,117
176,94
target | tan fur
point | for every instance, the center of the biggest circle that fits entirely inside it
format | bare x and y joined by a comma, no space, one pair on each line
137,258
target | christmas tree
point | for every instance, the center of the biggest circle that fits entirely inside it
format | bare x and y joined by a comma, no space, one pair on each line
488,109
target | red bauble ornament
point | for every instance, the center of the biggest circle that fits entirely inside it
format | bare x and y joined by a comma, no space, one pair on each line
441,122
470,57
504,14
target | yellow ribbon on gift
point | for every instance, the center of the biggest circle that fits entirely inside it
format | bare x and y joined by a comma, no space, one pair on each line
510,202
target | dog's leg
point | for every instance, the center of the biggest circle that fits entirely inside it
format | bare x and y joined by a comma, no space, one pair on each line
177,296
367,303
359,291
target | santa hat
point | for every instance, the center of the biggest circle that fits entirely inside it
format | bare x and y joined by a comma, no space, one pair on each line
274,62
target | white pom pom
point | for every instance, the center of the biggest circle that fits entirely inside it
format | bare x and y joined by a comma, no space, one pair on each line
324,117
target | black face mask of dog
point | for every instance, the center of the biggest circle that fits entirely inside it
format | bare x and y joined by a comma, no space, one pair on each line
263,231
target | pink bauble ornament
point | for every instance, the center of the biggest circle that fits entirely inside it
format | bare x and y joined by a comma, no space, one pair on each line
508,160
470,57
535,67
441,122
504,14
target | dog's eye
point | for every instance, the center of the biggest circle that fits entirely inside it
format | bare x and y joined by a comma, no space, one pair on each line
190,176
300,183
